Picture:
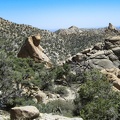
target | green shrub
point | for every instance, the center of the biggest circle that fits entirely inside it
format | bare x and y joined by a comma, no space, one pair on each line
97,100
58,107
62,91
16,73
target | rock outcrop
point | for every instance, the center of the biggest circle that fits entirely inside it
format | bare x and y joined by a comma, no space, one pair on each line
31,48
112,42
40,96
113,75
103,56
111,28
35,93
24,113
43,116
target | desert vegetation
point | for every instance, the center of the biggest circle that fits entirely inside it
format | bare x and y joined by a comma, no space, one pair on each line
94,95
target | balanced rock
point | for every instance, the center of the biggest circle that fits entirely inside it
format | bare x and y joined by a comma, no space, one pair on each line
24,113
31,48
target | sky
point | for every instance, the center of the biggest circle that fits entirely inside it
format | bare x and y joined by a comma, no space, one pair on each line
56,14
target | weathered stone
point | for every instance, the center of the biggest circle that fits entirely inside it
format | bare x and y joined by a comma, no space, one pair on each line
78,57
86,51
98,46
24,113
104,63
116,51
116,63
40,96
111,28
102,56
31,48
112,76
113,57
99,55
112,42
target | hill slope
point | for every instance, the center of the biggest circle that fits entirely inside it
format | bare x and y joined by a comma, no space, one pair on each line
57,46
67,89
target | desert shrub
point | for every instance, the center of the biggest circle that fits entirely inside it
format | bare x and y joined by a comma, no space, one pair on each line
62,91
58,107
101,109
26,102
62,70
17,73
84,75
97,100
62,74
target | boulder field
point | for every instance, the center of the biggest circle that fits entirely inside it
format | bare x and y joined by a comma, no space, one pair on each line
103,56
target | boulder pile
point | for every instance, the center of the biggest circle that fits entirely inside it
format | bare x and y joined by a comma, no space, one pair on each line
103,56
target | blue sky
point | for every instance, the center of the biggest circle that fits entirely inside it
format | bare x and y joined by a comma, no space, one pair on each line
55,14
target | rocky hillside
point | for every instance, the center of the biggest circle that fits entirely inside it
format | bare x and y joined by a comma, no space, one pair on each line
86,82
102,56
58,45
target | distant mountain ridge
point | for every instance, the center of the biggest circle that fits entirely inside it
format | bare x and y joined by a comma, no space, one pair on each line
70,30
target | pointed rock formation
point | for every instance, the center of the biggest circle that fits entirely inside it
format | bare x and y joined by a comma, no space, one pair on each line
111,28
31,48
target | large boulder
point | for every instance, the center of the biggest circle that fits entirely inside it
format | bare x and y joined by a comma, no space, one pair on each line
40,96
35,93
31,48
113,76
103,63
24,113
112,42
